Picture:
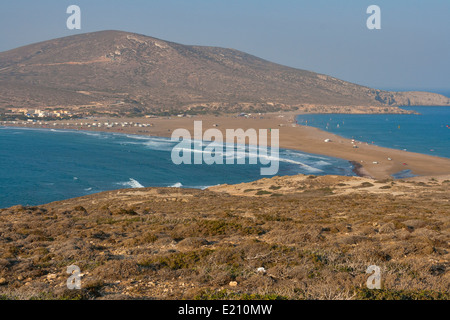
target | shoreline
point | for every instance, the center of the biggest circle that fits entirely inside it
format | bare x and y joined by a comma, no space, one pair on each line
359,170
368,160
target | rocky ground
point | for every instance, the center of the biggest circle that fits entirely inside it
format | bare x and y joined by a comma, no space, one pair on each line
301,237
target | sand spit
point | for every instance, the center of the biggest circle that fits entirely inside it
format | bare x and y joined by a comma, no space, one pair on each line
373,161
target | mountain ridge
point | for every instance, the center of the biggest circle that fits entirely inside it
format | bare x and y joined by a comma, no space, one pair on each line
116,71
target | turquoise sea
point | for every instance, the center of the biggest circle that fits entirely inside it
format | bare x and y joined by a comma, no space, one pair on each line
41,166
427,133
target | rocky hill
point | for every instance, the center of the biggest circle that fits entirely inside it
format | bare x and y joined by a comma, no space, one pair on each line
113,70
301,237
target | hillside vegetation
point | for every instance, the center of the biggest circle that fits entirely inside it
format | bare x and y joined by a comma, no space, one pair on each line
301,237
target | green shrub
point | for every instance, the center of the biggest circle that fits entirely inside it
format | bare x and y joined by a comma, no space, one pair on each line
177,261
263,192
368,294
228,295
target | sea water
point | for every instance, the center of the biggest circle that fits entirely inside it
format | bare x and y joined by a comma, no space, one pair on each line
428,132
38,166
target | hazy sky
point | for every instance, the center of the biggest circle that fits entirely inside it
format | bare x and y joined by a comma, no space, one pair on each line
411,51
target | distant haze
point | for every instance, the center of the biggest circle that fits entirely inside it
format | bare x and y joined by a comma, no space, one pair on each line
330,37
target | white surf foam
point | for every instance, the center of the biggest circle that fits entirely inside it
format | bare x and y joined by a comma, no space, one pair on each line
132,184
176,185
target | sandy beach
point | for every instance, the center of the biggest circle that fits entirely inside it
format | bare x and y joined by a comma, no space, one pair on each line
370,160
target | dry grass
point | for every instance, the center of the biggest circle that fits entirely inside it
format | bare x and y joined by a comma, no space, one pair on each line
314,240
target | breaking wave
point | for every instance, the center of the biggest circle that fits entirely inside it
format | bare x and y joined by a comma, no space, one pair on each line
132,184
176,185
